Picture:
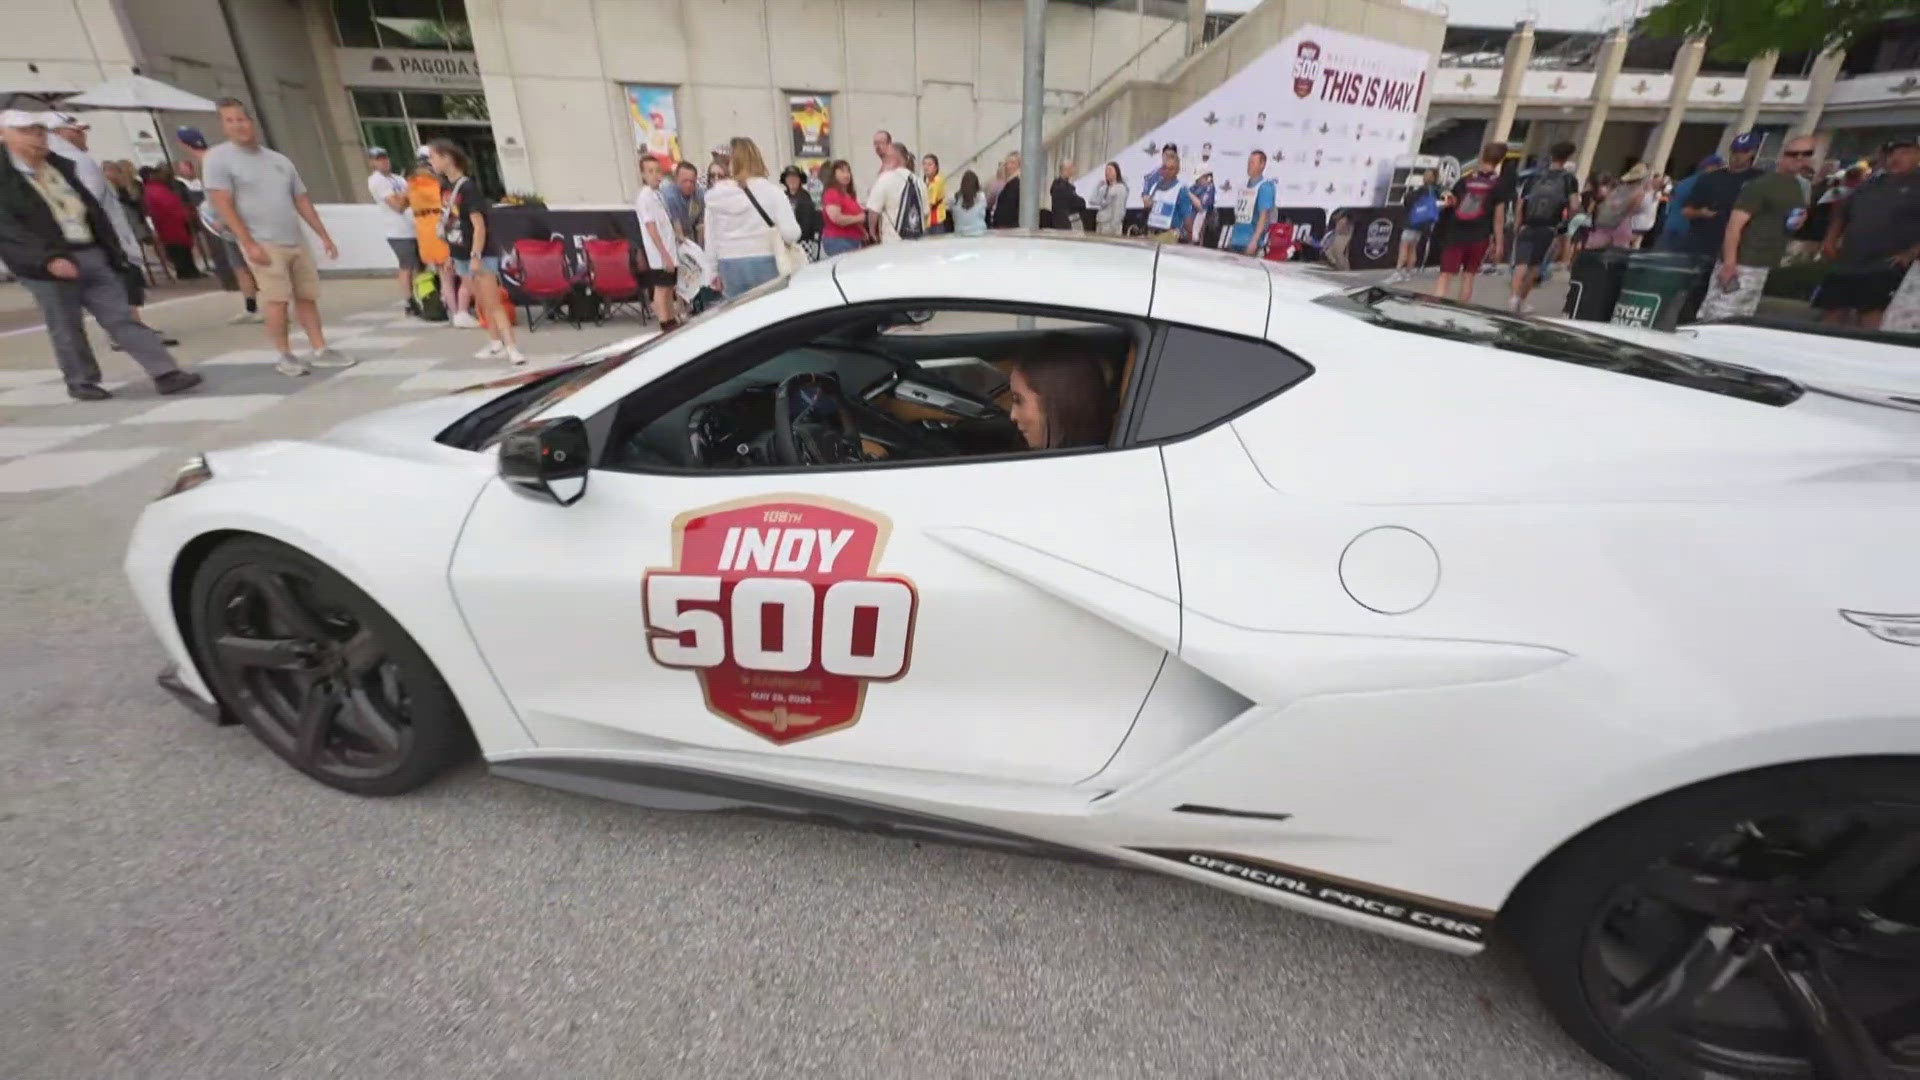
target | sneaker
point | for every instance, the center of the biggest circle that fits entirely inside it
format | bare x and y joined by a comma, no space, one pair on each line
515,356
175,381
332,358
88,392
464,321
493,349
289,364
246,317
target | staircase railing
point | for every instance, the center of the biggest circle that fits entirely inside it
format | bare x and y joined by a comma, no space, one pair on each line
1117,73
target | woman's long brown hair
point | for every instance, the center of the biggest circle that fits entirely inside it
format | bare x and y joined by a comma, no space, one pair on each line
1072,388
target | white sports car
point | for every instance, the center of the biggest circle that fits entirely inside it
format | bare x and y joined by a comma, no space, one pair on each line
1421,618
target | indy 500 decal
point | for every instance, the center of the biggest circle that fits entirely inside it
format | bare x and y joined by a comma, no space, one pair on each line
776,605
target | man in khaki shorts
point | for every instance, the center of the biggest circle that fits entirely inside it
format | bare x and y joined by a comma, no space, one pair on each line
261,199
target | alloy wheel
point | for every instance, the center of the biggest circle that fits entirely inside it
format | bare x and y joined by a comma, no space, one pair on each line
1785,947
308,672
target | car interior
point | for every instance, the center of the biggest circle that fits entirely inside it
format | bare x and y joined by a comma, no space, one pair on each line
872,386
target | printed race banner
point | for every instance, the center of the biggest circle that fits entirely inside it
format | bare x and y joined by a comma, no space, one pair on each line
812,116
1330,110
656,124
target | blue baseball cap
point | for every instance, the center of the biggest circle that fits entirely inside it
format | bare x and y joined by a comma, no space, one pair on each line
1748,143
190,136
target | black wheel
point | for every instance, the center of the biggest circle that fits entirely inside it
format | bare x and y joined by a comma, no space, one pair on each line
319,672
1762,926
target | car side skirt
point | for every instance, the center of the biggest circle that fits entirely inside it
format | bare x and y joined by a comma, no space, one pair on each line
653,785
674,787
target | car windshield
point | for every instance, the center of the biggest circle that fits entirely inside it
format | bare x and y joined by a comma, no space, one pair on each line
539,391
1416,314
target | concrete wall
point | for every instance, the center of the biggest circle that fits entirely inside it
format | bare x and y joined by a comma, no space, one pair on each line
185,43
64,46
1107,122
942,75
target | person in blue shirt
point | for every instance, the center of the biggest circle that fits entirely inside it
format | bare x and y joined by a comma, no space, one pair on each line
1674,236
1254,212
1163,195
1199,200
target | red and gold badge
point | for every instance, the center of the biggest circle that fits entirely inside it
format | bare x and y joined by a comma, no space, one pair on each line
777,606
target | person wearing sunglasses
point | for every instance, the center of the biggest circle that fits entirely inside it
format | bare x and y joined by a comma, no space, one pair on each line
1767,212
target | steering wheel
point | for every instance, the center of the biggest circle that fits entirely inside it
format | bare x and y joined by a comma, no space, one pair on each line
812,424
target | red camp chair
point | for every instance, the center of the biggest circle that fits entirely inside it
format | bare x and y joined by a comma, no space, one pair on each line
610,275
544,279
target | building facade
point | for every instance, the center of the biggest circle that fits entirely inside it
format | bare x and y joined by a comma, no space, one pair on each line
1618,95
555,97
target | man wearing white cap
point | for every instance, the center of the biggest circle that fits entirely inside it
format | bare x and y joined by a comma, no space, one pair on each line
57,239
389,191
67,136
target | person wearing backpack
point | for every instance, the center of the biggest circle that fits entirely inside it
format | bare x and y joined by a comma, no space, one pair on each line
1545,205
898,199
1422,203
1479,202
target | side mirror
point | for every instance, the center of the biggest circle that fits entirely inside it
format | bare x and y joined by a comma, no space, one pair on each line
548,458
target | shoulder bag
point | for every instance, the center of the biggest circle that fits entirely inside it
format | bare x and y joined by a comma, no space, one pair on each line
786,257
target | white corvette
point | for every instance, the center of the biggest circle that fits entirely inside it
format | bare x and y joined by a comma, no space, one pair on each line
1421,618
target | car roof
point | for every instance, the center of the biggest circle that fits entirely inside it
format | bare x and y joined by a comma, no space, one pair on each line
1177,282
1048,268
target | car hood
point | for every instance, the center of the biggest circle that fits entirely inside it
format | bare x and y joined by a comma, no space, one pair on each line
408,430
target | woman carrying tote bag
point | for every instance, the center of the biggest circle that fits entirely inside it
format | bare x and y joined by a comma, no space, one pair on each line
750,224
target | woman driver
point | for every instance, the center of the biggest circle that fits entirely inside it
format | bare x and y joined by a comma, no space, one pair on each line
1059,398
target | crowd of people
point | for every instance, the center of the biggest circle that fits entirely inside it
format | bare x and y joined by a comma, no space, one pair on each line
74,230
753,229
1741,221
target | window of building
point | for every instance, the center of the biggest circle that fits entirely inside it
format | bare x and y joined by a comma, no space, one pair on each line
401,122
1892,46
402,24
471,107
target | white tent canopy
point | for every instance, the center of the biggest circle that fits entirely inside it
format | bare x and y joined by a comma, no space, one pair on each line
137,93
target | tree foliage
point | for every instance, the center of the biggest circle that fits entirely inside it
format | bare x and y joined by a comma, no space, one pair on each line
1744,29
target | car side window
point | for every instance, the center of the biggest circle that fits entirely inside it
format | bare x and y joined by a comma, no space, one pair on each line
884,384
1199,379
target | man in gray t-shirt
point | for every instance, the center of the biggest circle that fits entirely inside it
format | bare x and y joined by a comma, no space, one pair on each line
262,201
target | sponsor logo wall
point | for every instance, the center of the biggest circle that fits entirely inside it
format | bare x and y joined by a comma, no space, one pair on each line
1331,110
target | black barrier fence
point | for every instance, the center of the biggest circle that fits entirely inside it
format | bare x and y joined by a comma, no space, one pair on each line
1366,237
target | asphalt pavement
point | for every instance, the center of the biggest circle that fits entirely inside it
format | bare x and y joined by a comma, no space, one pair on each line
175,903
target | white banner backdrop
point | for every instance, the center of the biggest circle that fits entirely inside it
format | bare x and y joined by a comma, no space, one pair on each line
1331,110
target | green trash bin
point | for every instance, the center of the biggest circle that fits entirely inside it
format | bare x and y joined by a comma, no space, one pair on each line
1659,288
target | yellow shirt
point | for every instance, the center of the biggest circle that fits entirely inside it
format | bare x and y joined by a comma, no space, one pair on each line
67,206
937,197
